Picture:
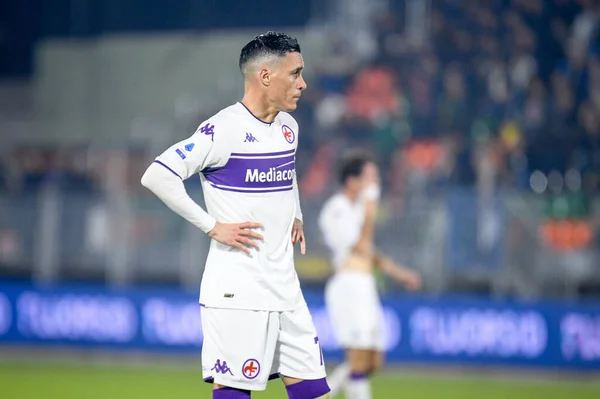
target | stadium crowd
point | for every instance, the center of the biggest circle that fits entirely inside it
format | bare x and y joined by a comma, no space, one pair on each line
501,94
515,81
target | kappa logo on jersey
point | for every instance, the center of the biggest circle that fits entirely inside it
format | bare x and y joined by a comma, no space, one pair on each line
180,153
221,368
288,134
250,138
209,130
251,369
189,147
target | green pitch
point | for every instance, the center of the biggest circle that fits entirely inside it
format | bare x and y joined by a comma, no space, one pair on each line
90,382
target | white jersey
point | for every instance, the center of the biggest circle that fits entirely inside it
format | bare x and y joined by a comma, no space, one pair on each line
247,170
341,224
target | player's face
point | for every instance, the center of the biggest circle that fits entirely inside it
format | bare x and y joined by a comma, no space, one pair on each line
369,175
287,84
368,178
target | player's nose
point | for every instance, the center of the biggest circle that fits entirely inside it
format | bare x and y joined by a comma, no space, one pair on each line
302,84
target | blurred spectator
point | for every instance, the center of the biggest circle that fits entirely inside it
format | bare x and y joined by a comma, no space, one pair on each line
453,108
585,25
373,94
563,107
495,94
589,138
535,109
522,65
422,83
593,89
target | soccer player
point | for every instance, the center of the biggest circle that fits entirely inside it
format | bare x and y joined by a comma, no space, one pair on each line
254,317
347,223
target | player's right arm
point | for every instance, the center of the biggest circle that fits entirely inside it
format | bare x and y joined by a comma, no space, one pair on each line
164,177
403,275
365,244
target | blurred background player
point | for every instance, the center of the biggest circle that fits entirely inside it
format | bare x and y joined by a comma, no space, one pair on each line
245,156
347,223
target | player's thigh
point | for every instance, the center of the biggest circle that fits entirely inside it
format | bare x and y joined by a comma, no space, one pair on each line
341,302
338,296
298,352
299,359
377,360
359,360
238,347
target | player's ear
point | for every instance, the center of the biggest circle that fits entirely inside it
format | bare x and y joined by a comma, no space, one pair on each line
265,76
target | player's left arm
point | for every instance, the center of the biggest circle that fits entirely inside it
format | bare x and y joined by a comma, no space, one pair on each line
298,229
403,275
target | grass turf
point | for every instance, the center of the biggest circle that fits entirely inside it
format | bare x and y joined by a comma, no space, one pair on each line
27,381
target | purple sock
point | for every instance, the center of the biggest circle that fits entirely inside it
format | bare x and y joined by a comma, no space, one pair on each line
230,393
308,389
355,376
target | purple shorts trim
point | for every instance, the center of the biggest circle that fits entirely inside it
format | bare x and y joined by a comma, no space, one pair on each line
308,389
231,393
273,376
211,380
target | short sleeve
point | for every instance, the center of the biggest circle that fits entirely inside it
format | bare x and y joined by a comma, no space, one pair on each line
201,151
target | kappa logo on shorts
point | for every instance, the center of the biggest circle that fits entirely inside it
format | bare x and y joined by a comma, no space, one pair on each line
251,369
221,368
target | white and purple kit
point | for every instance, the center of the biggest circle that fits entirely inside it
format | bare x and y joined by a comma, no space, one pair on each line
255,319
351,296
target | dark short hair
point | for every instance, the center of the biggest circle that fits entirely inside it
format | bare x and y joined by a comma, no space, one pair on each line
352,164
270,43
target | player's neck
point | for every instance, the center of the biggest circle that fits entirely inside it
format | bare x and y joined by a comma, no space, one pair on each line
259,107
352,196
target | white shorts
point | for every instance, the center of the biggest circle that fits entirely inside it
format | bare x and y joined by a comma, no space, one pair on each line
243,349
355,310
